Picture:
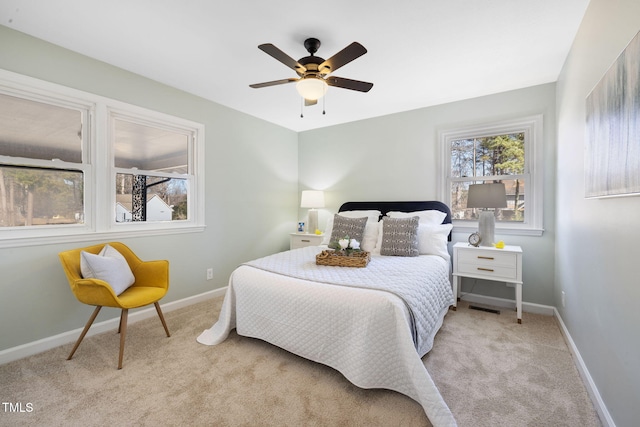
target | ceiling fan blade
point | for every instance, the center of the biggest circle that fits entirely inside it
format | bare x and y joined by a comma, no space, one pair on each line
275,52
346,55
349,84
273,83
309,102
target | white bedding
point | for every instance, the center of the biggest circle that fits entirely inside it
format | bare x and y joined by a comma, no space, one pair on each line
366,334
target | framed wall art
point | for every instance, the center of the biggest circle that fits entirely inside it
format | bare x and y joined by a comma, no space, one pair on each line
612,155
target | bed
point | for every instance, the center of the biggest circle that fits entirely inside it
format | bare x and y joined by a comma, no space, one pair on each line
372,324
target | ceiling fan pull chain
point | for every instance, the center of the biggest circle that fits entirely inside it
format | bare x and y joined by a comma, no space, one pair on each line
324,99
301,107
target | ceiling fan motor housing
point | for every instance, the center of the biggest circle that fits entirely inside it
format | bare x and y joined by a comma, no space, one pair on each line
312,45
311,62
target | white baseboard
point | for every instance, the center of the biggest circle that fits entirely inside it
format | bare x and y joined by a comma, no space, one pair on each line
594,394
528,307
35,347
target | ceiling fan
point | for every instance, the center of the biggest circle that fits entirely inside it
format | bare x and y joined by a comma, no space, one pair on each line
314,71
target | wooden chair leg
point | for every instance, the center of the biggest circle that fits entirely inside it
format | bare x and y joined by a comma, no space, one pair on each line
120,324
123,334
85,330
162,318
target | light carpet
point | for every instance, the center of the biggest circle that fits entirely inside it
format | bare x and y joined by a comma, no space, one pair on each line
490,371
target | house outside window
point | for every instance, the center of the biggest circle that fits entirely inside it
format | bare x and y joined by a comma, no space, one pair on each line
506,152
77,164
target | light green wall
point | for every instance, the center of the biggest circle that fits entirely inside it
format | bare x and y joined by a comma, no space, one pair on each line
396,157
251,196
597,240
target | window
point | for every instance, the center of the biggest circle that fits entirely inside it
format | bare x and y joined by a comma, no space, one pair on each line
152,170
505,152
42,161
73,163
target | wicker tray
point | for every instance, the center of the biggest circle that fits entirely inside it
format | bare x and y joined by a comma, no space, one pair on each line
356,259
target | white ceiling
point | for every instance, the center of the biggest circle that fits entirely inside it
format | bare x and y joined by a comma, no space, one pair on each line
420,52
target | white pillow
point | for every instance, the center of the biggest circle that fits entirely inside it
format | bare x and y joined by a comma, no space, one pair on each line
432,239
109,265
370,237
372,214
378,245
432,217
371,229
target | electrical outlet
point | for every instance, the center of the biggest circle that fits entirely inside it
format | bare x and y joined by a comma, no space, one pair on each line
209,273
563,298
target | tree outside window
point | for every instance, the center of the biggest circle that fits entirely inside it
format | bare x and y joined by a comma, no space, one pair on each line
41,162
508,152
496,158
37,196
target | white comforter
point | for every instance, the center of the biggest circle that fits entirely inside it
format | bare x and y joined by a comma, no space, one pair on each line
366,334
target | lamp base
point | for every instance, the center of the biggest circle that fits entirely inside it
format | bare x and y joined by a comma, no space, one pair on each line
313,221
486,227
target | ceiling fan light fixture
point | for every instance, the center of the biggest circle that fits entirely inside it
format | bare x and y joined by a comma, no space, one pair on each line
312,88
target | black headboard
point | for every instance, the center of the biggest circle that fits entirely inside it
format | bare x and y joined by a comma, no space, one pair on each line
385,207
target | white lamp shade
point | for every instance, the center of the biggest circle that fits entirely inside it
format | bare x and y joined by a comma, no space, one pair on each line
312,88
491,195
312,199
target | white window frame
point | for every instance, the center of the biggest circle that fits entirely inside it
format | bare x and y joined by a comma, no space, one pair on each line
97,164
532,127
165,122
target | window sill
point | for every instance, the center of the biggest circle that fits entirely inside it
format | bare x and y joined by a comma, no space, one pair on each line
17,242
507,231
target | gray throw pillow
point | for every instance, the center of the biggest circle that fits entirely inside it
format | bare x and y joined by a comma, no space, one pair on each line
343,226
400,236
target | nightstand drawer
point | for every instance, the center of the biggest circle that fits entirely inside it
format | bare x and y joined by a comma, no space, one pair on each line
490,259
492,272
301,240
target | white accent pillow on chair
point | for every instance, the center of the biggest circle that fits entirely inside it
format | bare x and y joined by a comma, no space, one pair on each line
109,265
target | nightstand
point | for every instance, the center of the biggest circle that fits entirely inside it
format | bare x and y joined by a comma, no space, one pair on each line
482,262
300,240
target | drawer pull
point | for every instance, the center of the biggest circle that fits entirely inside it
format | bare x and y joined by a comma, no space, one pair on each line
485,269
306,241
485,257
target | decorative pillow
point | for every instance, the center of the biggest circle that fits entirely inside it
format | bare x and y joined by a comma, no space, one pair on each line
352,227
109,265
432,217
371,230
400,236
432,239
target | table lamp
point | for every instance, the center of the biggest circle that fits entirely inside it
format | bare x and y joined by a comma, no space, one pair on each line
487,196
312,199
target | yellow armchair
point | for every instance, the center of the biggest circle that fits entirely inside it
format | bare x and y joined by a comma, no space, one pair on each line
151,284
